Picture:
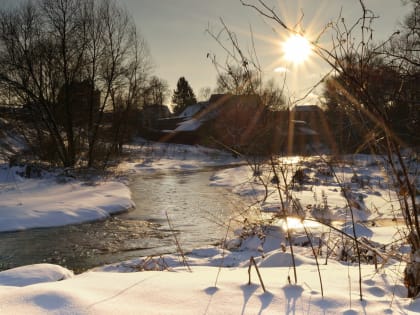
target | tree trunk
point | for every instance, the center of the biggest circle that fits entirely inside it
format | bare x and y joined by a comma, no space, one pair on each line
412,275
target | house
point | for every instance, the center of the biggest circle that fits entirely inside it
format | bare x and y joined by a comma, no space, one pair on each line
151,114
170,124
314,117
230,120
191,110
242,123
312,114
236,119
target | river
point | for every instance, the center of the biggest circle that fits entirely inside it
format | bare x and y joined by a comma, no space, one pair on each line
196,212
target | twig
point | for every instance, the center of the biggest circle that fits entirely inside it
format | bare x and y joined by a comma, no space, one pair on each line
223,253
180,251
252,262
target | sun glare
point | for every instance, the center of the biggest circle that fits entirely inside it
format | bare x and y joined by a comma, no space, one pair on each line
298,224
296,49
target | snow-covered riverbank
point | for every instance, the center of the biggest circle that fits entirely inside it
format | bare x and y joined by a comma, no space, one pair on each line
49,200
218,283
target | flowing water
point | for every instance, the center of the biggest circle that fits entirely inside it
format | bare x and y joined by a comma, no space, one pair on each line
195,210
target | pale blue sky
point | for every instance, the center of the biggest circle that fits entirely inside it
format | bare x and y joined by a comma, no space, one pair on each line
176,33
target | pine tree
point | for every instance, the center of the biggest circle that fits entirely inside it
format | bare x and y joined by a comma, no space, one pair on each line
183,96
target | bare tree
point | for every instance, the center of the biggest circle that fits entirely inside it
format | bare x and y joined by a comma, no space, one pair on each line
125,65
351,56
156,91
55,54
238,80
204,93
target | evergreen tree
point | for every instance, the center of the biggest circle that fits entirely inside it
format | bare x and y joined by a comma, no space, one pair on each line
183,96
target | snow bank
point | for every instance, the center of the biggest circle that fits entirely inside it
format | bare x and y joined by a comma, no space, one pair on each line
369,191
33,274
205,290
210,288
51,201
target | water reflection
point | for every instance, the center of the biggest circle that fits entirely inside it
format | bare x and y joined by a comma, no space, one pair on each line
196,210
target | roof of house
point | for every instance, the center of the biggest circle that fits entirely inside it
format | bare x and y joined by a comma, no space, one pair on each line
219,102
191,110
198,113
189,125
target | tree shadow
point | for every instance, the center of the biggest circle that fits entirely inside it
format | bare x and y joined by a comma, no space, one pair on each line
50,302
325,304
292,293
414,305
210,291
266,298
248,290
362,303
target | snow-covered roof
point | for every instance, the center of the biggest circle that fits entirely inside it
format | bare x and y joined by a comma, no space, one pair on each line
302,128
189,125
192,110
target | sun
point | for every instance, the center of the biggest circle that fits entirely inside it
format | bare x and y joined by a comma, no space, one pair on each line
296,49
